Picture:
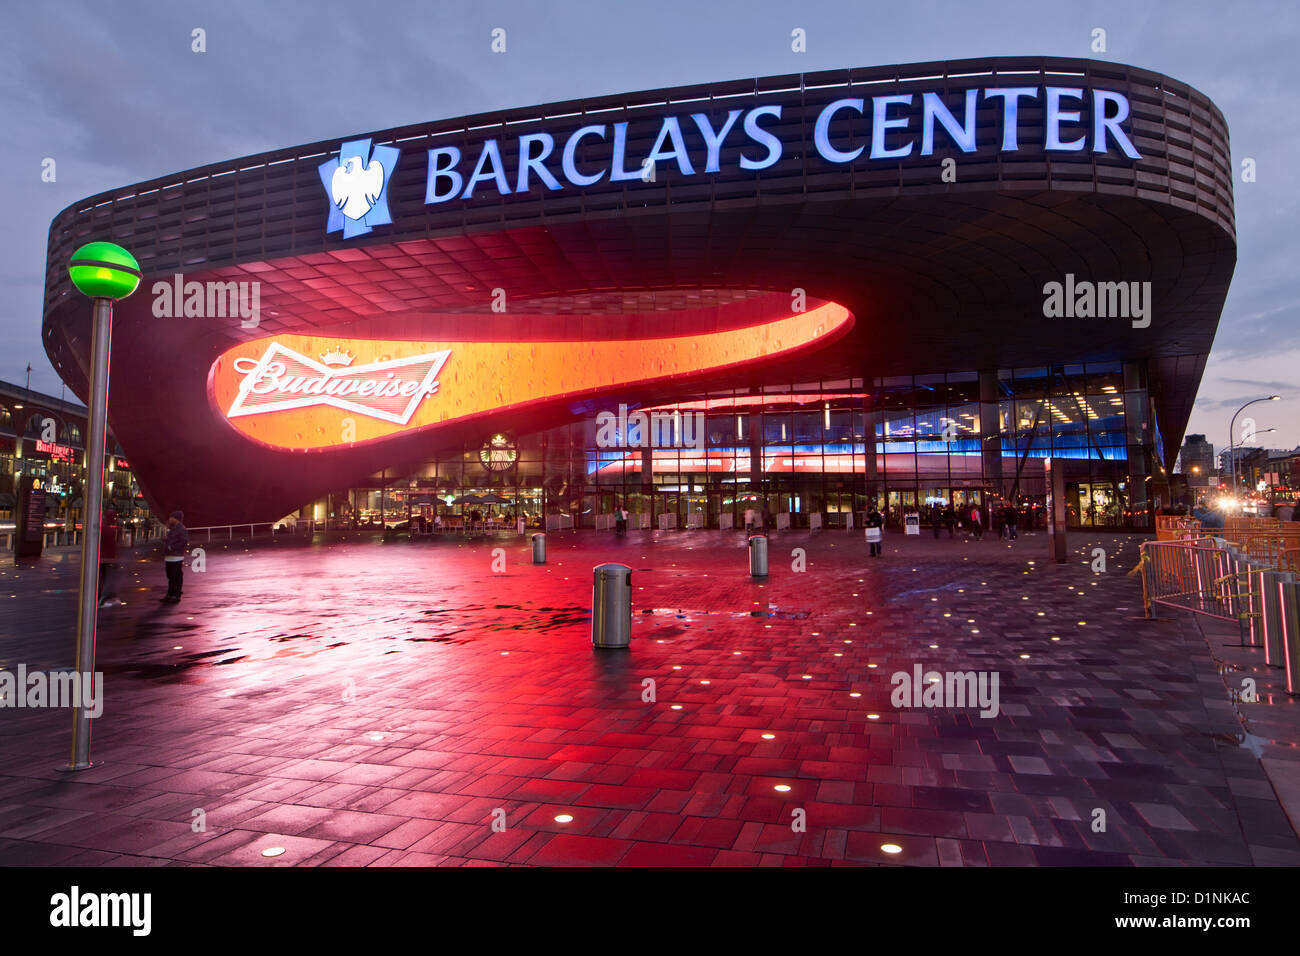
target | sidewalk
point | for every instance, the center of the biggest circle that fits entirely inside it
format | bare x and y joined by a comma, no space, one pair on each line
1269,727
362,702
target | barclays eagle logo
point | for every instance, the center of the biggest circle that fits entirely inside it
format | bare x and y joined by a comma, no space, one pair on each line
357,185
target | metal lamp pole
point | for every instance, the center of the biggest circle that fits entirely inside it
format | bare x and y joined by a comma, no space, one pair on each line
104,272
1232,425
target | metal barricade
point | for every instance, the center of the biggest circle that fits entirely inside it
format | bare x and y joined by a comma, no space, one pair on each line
1219,579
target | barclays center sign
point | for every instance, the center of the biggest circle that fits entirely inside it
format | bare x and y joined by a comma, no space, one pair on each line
847,131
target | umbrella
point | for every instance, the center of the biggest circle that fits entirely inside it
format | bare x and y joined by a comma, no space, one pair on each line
495,499
467,500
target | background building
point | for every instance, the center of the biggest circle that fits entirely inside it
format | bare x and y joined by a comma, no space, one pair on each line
42,436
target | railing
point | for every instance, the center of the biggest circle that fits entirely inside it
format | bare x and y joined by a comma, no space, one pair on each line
53,538
226,532
1217,578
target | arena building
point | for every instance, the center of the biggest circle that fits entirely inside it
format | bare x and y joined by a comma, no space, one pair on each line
902,285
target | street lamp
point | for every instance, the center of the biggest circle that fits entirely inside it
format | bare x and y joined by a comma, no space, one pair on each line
105,272
1232,457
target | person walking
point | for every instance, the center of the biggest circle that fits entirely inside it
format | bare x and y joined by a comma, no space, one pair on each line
875,530
949,519
620,520
976,522
175,547
749,520
936,519
1012,521
108,559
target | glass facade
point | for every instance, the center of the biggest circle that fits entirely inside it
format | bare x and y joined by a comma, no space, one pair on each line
832,447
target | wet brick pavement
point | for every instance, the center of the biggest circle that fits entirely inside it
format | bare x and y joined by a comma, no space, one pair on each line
367,703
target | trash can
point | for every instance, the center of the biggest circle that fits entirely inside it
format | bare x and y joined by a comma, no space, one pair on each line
539,548
611,605
758,555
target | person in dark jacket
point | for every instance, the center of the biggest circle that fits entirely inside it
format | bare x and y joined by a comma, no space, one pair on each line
1012,521
875,530
936,519
175,547
108,559
949,519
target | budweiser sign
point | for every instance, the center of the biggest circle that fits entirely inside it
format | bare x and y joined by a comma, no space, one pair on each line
283,379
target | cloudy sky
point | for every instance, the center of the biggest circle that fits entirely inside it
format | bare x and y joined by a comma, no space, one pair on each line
113,93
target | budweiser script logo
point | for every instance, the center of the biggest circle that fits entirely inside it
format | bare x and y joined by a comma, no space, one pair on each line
282,379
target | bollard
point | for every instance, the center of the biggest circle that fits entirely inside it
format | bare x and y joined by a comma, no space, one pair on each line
611,605
1271,605
758,555
1290,592
539,548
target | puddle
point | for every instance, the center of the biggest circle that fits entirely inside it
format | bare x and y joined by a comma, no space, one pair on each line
1245,740
952,586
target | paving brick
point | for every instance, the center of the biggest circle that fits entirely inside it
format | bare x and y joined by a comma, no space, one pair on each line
1121,713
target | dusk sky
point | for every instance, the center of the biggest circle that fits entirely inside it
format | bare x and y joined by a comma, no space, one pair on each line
114,95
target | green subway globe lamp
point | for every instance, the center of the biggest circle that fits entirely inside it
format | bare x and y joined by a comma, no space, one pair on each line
105,272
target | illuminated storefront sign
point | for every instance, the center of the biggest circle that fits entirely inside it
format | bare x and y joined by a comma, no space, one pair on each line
282,379
498,453
359,390
356,182
882,128
56,452
822,460
694,142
